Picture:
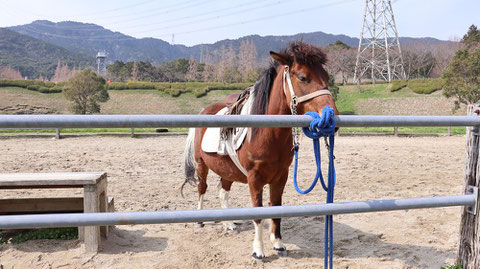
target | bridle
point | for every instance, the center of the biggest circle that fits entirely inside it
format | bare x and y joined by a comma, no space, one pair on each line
295,100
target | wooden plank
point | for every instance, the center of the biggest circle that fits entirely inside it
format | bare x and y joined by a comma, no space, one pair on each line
28,180
91,204
468,254
41,205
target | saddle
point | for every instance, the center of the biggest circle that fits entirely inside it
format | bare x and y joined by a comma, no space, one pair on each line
226,141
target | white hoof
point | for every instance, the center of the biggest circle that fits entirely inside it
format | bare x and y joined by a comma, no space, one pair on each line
258,257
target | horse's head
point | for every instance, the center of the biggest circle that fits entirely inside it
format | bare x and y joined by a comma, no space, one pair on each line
305,78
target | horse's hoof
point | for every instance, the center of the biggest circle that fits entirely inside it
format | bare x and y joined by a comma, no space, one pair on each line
257,257
199,225
282,252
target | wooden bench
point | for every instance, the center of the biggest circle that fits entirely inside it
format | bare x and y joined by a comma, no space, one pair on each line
95,198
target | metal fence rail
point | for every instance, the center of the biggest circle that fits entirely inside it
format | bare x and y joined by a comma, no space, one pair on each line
155,121
182,216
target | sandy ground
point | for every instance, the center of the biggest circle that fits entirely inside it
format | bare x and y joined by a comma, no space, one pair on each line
144,172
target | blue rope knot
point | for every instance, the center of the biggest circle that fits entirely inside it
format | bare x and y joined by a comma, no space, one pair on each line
321,126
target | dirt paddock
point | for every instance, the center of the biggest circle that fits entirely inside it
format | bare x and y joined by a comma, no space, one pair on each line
144,172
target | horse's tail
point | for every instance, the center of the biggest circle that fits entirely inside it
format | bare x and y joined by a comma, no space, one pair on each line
190,164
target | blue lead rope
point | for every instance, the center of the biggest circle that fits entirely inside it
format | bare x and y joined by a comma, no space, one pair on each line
321,126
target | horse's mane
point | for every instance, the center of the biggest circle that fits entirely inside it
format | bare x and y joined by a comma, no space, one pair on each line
302,53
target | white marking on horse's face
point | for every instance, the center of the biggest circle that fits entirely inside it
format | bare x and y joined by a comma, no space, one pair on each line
200,202
258,239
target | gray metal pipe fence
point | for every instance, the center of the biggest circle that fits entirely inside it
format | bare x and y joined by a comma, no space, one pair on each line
170,121
183,216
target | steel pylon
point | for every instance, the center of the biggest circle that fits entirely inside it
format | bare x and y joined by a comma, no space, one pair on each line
379,53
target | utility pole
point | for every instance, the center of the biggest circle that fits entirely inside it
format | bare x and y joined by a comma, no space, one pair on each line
379,51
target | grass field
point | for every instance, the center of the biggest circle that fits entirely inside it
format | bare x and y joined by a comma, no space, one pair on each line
368,100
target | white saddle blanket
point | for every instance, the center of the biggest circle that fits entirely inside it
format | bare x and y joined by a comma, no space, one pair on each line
211,138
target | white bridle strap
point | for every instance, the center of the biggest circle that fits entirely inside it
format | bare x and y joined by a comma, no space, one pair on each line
313,95
288,81
286,78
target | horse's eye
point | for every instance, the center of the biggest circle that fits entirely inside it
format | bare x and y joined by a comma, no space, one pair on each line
302,78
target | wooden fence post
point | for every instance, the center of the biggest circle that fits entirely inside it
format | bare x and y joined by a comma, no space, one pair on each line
469,246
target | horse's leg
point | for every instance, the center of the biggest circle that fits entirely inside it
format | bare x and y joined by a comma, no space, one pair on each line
223,193
276,191
256,193
202,172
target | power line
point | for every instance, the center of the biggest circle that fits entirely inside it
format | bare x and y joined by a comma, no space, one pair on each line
194,16
179,6
278,2
115,38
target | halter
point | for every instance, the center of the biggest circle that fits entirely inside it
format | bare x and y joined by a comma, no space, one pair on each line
295,100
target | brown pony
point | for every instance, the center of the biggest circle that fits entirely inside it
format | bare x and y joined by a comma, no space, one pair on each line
267,153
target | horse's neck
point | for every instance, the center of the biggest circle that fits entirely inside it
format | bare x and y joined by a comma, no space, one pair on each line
277,105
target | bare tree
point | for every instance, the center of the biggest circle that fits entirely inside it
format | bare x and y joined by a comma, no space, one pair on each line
418,60
192,73
341,60
9,73
443,53
135,71
63,73
247,60
209,71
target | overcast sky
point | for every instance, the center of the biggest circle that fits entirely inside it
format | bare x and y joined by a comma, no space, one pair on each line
191,22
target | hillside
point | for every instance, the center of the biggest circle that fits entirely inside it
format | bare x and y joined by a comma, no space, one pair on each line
373,100
34,57
90,38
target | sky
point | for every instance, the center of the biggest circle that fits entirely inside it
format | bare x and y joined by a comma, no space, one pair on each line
192,22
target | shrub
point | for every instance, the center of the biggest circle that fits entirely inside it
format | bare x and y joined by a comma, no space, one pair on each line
117,86
200,92
49,84
33,87
56,89
162,86
425,86
43,89
398,85
174,92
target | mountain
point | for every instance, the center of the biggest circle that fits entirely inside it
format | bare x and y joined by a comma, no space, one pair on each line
34,57
90,38
74,41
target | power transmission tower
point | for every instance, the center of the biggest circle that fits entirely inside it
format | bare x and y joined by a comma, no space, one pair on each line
379,50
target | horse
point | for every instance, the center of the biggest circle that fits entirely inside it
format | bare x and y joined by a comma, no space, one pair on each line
295,82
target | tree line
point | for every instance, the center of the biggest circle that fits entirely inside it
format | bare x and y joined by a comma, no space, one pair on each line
224,65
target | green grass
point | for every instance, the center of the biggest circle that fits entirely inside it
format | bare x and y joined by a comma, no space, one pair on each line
452,266
349,94
90,130
405,130
46,233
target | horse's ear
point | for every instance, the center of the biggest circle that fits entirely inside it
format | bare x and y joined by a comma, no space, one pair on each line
282,58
